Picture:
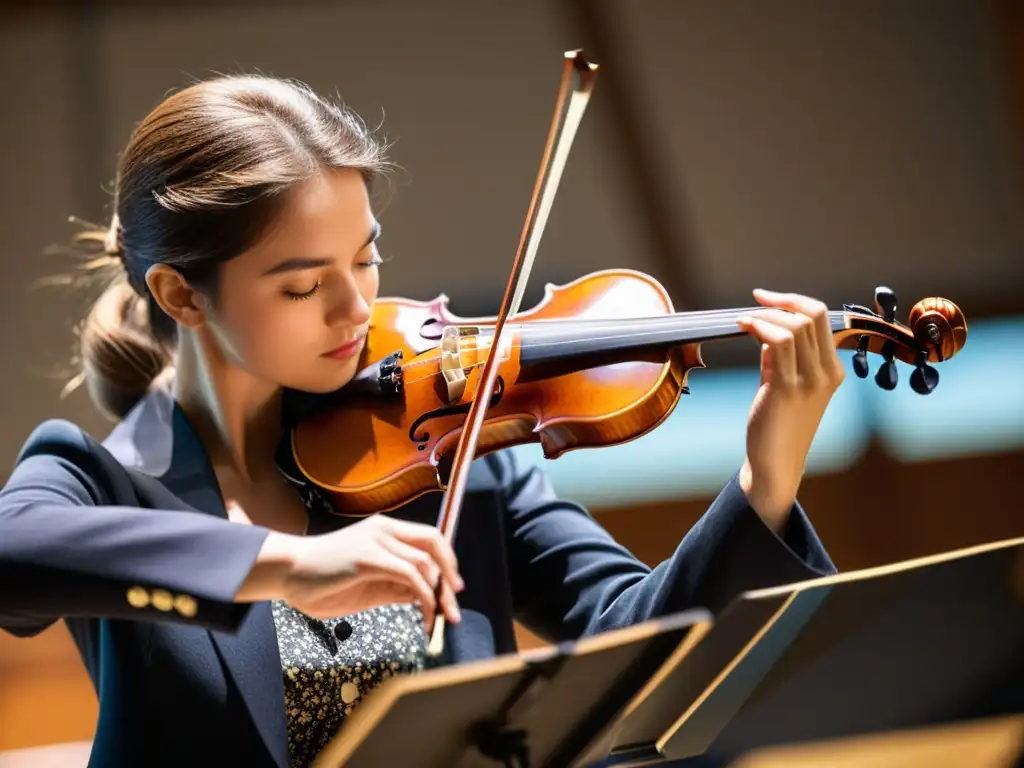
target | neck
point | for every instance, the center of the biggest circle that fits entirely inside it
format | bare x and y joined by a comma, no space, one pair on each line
560,346
236,416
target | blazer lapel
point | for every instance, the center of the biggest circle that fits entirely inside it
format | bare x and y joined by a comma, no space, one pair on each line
163,443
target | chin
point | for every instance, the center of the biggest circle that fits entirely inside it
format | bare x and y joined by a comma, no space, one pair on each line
328,377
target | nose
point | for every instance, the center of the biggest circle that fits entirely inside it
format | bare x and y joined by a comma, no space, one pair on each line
349,307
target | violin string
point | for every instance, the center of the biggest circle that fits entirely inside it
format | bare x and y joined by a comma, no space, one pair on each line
701,313
683,321
622,325
613,325
516,344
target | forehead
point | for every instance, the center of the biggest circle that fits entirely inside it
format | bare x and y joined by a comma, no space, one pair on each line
323,218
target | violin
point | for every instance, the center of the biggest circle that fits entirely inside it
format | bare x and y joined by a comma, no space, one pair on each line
597,362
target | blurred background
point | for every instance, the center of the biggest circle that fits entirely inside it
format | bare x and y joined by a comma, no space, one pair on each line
818,146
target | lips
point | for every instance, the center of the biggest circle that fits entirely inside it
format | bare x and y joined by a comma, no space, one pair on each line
347,350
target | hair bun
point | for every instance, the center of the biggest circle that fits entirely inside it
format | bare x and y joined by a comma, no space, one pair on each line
120,356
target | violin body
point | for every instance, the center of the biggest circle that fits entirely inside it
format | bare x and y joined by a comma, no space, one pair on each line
373,452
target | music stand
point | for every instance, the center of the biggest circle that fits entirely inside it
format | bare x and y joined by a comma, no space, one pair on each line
543,708
926,641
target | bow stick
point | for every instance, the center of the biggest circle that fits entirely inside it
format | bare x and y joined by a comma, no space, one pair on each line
577,82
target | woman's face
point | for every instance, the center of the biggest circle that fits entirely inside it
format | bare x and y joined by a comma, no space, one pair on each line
295,308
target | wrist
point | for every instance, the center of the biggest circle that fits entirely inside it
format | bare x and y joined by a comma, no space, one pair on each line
772,507
274,563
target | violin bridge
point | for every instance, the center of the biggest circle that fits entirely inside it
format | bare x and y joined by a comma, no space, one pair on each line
458,342
451,360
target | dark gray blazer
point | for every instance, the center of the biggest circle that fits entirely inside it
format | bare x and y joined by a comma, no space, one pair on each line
128,542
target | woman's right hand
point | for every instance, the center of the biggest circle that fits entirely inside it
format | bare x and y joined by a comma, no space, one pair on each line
377,561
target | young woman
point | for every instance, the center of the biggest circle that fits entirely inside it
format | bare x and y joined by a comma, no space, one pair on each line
225,617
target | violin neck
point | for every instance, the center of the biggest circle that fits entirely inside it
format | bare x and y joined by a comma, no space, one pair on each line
566,345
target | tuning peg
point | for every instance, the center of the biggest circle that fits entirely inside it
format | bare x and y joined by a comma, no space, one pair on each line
887,376
924,379
885,303
860,358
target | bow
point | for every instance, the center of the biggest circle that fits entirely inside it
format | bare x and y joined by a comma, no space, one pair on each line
578,76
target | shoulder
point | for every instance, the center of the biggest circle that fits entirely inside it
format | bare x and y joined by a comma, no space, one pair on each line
59,457
63,439
58,438
59,450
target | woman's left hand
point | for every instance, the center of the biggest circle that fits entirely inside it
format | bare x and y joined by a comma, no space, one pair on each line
800,371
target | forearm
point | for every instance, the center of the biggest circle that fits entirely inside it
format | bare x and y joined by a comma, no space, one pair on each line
122,562
575,579
731,550
773,508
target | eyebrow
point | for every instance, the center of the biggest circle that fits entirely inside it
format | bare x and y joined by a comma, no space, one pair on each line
300,263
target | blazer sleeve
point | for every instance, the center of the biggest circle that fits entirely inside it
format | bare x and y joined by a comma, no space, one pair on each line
571,578
67,550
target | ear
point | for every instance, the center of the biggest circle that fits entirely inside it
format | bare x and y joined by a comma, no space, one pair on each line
175,296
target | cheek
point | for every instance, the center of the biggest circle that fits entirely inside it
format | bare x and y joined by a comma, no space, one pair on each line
271,336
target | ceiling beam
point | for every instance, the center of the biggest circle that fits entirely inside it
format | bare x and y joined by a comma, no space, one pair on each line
644,160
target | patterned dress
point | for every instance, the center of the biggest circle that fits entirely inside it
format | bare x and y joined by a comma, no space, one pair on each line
329,667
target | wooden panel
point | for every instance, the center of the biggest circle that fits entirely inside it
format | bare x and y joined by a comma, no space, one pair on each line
46,696
878,512
45,648
994,743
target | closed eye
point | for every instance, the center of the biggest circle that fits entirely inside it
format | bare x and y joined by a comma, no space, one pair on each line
299,296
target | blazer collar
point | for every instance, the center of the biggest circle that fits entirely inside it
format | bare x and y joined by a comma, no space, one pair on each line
157,439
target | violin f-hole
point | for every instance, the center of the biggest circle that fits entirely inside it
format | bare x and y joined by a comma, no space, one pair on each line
451,410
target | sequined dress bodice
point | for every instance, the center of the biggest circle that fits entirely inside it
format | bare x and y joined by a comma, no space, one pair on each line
330,666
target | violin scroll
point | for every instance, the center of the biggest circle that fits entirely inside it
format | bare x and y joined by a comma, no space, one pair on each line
937,331
940,325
